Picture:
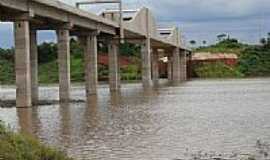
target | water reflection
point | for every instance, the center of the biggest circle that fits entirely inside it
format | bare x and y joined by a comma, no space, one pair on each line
91,113
25,118
115,99
159,123
65,124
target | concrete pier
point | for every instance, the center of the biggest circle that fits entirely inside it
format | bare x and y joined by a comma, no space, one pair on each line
176,66
22,63
146,63
91,66
34,66
155,66
64,64
183,59
114,75
140,29
169,68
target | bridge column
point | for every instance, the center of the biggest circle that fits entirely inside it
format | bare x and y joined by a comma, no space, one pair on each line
169,69
183,66
114,75
146,63
22,63
176,66
155,67
34,66
91,65
64,64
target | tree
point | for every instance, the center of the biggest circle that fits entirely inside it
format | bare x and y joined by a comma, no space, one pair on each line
268,39
204,42
221,37
263,41
193,42
47,52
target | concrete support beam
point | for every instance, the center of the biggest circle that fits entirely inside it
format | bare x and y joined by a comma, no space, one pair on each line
34,66
91,64
155,67
176,66
169,69
146,63
114,75
22,63
64,64
183,66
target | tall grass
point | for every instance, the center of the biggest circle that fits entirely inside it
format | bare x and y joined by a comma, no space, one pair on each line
15,146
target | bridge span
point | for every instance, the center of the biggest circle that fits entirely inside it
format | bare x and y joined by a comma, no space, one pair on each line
29,16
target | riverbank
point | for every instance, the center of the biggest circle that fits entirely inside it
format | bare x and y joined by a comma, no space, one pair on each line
220,118
18,146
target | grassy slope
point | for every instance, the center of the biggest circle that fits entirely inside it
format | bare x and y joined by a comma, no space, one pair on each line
15,146
226,46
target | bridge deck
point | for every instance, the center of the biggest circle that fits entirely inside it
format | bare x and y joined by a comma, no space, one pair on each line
50,13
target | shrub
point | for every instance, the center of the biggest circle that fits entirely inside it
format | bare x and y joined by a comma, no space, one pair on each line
131,72
255,61
14,146
217,70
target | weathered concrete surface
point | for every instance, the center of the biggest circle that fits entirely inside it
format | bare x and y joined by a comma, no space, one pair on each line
183,62
22,63
114,74
155,66
34,66
91,67
146,63
64,64
176,66
169,71
68,20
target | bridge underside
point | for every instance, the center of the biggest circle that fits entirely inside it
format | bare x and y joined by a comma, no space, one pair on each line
67,21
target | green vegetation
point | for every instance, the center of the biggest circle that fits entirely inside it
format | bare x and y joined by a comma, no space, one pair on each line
224,46
131,72
14,146
217,70
254,60
48,66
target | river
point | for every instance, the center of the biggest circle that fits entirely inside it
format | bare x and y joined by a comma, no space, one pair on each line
167,123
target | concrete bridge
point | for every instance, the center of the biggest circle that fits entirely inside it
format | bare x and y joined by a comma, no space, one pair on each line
29,16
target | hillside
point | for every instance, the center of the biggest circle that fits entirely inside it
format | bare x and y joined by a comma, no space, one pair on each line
253,60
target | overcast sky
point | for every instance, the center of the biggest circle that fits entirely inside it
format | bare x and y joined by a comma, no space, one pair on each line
247,20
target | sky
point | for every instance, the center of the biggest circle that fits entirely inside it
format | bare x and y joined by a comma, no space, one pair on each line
246,20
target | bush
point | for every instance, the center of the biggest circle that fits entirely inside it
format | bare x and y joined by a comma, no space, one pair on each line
7,72
217,70
255,61
131,72
225,46
15,146
48,72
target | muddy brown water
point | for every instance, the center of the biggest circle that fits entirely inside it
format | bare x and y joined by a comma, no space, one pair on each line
212,116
